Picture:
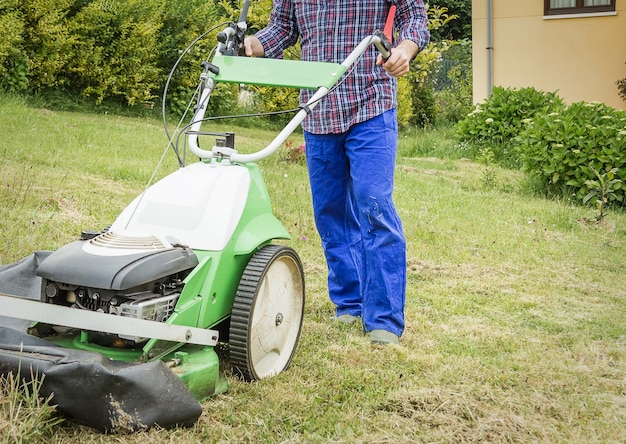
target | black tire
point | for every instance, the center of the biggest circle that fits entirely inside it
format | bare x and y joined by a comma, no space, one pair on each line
267,314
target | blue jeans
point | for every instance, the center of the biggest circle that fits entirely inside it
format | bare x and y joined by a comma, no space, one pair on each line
351,176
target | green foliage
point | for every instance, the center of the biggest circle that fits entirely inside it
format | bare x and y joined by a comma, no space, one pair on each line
438,92
15,78
427,60
405,104
48,41
13,65
423,102
578,150
117,50
453,97
486,157
502,116
602,190
454,102
461,28
123,51
274,100
258,14
184,22
224,100
106,49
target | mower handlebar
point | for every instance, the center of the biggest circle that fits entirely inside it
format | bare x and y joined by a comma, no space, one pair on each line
378,39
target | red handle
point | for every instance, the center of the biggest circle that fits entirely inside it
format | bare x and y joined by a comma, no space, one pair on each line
389,22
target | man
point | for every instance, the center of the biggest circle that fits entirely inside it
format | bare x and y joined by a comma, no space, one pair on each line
351,140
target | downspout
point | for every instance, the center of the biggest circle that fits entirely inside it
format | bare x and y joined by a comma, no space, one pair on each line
489,46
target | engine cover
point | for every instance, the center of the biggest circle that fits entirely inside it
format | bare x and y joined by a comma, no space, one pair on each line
114,261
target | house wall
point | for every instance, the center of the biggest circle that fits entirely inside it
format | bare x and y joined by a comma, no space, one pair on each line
579,58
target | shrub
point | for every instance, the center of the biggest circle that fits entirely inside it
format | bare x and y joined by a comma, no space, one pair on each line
183,23
423,102
13,65
268,99
423,75
405,105
116,53
453,82
454,102
48,41
422,91
573,150
495,122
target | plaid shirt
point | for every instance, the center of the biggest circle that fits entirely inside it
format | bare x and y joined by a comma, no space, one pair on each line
329,30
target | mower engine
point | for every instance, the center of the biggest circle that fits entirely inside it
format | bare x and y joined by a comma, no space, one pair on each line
118,274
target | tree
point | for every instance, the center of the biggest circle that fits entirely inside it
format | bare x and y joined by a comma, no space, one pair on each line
458,29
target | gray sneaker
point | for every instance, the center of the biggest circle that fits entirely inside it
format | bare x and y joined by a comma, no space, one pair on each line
383,337
346,319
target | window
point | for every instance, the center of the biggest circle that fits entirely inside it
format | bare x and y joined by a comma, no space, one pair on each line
554,7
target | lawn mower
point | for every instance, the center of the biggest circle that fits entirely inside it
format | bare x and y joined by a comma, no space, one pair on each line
125,323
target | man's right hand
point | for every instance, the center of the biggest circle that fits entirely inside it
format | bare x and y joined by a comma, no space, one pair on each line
252,47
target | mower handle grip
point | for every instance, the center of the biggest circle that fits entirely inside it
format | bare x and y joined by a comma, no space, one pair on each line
383,44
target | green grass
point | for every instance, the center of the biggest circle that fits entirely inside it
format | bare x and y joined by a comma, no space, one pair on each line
516,307
24,416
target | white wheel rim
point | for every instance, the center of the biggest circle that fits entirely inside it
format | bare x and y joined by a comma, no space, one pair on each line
276,317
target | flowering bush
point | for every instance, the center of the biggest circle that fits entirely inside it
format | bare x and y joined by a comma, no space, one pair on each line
495,122
294,153
576,150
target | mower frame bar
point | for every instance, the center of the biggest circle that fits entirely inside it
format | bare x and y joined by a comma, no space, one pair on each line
36,311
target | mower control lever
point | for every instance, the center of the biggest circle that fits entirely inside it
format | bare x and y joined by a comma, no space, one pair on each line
231,38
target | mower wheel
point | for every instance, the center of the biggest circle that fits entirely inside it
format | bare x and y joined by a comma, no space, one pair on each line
267,313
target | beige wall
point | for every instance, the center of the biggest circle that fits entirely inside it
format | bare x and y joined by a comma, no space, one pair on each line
580,58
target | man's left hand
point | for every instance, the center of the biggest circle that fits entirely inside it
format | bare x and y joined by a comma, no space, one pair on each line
399,61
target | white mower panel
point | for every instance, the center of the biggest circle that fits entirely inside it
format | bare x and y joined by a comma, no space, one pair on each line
199,206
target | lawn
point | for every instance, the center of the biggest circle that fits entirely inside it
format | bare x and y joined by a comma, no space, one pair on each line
516,305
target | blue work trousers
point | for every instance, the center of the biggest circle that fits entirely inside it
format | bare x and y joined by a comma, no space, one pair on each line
352,177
